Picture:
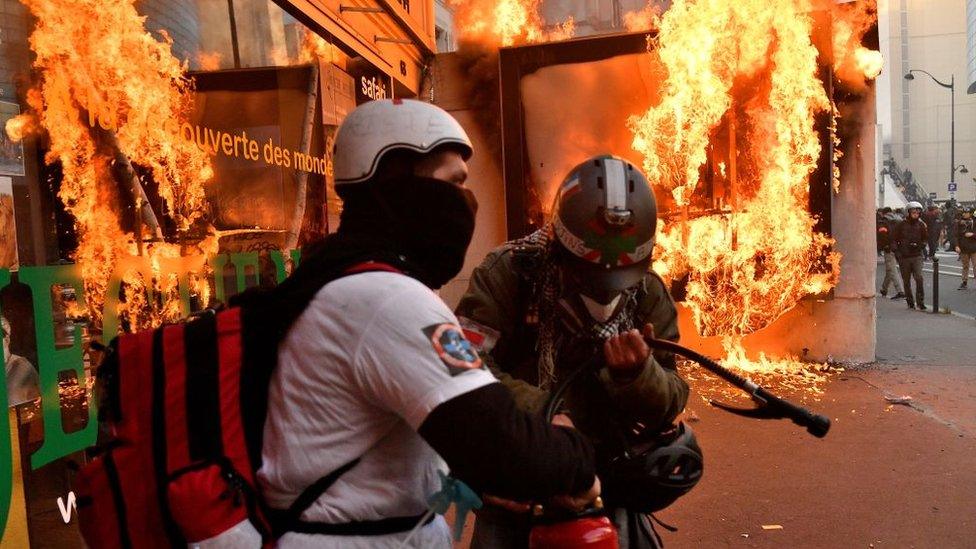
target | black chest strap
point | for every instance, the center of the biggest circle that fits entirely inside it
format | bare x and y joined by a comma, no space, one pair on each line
291,521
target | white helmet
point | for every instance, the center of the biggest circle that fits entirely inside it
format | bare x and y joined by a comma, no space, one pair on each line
376,127
913,206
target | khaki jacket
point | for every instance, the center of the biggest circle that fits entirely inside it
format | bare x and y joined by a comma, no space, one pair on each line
499,300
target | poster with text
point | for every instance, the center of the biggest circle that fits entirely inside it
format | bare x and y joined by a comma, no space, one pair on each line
8,226
11,152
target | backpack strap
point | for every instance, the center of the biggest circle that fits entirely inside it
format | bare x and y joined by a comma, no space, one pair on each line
290,520
371,266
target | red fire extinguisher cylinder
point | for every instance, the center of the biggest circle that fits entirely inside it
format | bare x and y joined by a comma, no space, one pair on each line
588,531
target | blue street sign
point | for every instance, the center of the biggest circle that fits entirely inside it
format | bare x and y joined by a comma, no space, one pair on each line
952,187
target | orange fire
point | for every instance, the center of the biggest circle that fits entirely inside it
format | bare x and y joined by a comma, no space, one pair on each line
209,61
644,20
748,68
109,92
316,48
854,64
507,22
739,105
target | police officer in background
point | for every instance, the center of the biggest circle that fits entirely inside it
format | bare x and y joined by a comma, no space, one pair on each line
909,238
541,306
965,230
885,225
950,218
376,385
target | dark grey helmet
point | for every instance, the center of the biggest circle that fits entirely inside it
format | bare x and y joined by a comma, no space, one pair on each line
653,474
605,218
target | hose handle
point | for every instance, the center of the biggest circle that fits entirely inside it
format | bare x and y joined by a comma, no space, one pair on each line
816,424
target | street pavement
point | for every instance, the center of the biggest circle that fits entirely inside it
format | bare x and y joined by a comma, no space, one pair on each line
950,270
887,475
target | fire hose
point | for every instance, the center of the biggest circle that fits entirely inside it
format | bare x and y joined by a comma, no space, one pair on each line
769,406
591,528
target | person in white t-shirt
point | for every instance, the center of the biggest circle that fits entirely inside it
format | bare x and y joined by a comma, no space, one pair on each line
376,388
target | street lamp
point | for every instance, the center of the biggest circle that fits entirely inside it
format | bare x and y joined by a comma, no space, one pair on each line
951,86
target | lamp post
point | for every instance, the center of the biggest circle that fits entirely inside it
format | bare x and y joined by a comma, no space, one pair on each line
961,168
951,86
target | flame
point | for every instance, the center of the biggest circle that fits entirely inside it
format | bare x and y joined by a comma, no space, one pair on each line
316,48
107,89
645,19
209,61
747,72
753,61
21,126
506,22
854,64
868,62
791,375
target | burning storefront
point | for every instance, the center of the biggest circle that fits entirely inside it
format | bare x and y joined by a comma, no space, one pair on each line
156,158
755,124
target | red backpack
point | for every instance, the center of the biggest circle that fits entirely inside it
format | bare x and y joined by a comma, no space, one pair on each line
182,411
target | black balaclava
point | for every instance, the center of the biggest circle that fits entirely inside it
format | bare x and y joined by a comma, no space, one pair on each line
427,221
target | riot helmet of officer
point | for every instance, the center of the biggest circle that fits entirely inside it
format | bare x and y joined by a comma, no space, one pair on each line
914,209
604,221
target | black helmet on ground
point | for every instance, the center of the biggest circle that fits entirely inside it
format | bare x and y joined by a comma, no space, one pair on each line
604,221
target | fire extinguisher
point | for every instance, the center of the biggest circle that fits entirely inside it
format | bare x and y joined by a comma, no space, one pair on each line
556,528
590,529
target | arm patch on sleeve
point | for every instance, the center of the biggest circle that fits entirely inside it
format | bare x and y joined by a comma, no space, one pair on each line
482,337
455,351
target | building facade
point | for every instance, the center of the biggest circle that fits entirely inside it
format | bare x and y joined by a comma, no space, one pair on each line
444,32
916,115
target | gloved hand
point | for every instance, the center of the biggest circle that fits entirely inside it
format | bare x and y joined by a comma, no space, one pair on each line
579,502
561,420
627,353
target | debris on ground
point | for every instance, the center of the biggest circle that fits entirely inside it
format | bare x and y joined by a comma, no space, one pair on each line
904,400
772,526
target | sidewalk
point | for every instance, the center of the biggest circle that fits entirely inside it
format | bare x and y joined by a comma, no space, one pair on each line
908,336
930,357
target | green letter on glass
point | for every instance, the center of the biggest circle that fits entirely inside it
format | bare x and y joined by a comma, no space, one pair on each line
53,361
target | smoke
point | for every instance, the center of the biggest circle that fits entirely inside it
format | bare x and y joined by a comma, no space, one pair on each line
478,61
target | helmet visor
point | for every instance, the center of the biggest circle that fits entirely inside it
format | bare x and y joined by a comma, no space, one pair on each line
598,282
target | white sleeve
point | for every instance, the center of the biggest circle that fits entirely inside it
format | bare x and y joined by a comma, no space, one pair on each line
413,356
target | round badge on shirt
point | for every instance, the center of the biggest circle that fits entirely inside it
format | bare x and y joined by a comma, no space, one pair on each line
457,353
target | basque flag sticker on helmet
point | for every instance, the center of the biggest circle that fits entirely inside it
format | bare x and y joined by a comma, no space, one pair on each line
457,353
